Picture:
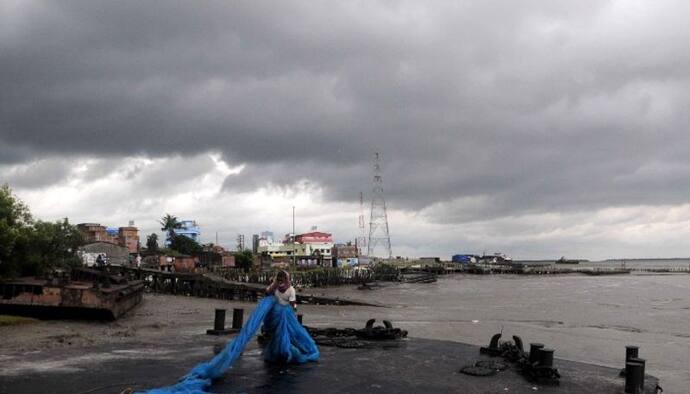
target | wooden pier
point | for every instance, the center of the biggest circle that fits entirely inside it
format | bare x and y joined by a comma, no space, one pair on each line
208,285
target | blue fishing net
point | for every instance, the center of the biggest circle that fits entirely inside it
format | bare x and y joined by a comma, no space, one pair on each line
290,342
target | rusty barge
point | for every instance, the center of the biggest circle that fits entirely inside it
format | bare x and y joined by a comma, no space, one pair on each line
83,294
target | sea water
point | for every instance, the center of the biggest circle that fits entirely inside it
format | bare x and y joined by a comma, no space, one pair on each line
585,318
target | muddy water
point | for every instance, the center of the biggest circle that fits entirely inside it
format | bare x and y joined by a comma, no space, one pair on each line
584,318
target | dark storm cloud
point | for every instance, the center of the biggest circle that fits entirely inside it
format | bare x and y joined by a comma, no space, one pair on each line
479,108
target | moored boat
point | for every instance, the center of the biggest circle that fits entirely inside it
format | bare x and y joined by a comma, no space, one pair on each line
86,293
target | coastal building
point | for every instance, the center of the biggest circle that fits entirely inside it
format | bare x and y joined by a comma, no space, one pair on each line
308,249
319,244
255,243
464,258
344,255
189,229
127,237
266,238
113,253
182,263
215,255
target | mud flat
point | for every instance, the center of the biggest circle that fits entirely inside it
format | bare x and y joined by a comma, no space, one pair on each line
168,333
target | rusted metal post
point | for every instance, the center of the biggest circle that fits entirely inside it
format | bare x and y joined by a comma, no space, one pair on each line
237,318
218,324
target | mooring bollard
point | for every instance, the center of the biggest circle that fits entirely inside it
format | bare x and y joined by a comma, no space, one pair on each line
299,318
534,349
237,318
634,377
219,321
545,357
644,363
218,324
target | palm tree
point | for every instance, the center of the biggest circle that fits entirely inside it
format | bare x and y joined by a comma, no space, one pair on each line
170,224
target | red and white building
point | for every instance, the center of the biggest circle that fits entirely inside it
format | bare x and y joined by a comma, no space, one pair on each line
312,246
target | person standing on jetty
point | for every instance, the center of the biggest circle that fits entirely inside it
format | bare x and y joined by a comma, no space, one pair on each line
290,342
282,289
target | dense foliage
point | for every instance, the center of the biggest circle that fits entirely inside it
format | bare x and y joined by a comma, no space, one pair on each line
244,259
32,247
185,245
152,243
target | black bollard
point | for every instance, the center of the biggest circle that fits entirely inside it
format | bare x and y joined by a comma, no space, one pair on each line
218,324
644,363
634,377
237,318
546,357
631,352
534,349
299,318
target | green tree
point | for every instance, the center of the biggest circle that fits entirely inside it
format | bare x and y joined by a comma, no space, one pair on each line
185,245
152,242
52,245
170,224
31,248
15,221
244,259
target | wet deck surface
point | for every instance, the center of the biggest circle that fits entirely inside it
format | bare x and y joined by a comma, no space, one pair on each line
417,365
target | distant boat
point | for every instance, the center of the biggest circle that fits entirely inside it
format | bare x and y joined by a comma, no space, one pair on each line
496,258
563,260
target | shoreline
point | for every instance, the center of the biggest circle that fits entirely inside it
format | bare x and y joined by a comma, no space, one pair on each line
471,309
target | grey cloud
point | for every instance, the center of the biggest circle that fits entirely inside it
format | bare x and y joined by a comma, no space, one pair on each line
35,174
481,109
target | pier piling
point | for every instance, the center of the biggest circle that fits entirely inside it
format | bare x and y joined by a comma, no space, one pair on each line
219,324
237,318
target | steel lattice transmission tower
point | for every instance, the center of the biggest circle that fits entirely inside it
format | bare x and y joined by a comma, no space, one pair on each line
362,238
378,223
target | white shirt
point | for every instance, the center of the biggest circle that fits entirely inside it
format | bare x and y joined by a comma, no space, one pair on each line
287,297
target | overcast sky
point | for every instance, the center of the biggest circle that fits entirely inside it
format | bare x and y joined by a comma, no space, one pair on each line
534,128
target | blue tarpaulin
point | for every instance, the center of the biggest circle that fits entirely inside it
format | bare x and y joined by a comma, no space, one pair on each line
290,342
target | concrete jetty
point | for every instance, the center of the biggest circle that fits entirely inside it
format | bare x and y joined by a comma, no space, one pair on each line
414,365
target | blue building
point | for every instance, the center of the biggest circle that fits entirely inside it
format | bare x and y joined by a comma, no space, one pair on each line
189,229
464,258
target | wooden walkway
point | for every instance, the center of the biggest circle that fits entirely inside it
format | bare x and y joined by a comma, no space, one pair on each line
208,285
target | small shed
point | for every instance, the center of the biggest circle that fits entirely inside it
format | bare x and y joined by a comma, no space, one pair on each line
115,254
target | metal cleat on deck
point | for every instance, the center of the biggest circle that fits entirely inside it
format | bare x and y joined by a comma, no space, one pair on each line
387,331
493,349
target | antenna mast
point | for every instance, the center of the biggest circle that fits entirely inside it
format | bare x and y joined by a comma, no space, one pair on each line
378,223
240,242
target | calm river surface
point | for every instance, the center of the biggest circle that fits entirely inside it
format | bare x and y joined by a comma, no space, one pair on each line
585,318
